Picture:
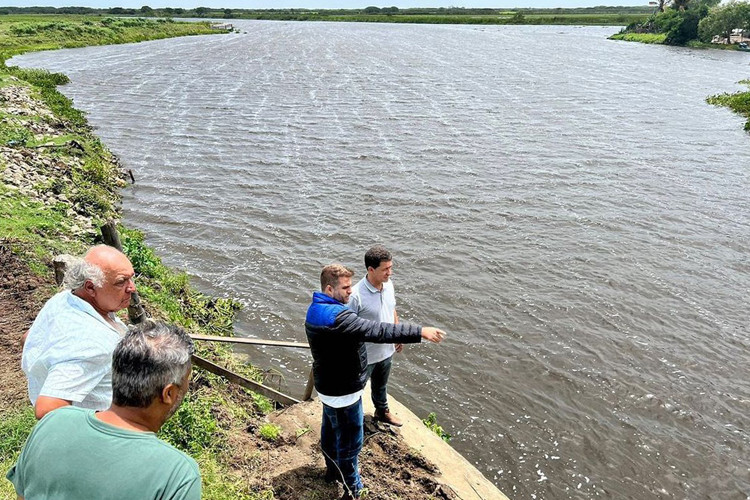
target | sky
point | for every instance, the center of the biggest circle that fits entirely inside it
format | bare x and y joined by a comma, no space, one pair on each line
318,4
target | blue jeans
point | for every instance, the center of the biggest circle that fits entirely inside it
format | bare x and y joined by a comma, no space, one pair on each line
341,436
379,373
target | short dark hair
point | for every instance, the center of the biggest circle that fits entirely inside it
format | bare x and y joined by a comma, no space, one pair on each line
376,255
152,355
331,274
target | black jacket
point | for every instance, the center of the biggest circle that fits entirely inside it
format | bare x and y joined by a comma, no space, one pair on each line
337,336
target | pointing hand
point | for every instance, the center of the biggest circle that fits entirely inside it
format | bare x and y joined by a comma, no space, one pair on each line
433,334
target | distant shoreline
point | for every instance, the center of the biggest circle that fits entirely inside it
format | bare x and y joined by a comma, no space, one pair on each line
587,16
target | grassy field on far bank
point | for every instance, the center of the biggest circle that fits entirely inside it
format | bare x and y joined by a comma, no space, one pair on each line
500,18
602,15
26,32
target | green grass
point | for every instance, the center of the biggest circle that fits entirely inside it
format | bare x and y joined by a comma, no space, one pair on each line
270,432
24,33
640,37
431,423
738,102
15,426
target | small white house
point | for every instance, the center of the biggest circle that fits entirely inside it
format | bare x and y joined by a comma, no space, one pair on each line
739,35
736,36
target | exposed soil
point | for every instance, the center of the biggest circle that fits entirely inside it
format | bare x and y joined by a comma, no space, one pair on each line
294,465
21,295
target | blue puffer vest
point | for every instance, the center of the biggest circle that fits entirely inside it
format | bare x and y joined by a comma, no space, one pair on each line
337,336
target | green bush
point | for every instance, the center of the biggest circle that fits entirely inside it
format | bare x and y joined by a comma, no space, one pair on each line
738,102
431,423
193,428
683,28
269,431
13,135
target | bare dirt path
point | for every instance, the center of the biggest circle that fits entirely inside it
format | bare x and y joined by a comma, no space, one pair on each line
22,293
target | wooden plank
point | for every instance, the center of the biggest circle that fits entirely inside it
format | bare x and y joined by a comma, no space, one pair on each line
243,340
309,387
244,382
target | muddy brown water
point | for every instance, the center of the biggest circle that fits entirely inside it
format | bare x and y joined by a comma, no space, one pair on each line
567,207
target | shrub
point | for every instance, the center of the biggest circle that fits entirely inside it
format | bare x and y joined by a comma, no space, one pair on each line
431,423
269,431
13,135
738,102
683,28
193,428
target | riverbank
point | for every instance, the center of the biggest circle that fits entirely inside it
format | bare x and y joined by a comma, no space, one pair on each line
58,184
661,39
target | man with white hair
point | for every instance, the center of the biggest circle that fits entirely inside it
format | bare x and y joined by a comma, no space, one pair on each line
67,352
75,453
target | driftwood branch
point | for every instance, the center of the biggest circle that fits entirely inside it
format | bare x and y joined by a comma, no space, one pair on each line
309,387
243,340
236,378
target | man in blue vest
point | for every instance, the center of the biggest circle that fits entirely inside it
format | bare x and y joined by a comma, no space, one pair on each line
337,336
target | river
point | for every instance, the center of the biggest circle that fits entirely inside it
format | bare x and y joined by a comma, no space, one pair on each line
568,208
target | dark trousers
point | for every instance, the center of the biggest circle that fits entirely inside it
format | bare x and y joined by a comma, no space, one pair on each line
379,373
341,436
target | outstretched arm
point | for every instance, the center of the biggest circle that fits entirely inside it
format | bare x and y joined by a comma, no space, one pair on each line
348,323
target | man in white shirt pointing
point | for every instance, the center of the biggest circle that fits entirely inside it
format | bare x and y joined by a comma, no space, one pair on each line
373,298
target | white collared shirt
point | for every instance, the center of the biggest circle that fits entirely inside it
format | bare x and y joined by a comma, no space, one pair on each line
376,305
68,353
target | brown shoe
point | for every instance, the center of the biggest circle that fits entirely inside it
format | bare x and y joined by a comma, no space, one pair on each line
387,417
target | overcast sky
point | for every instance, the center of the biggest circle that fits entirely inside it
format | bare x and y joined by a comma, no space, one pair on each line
320,4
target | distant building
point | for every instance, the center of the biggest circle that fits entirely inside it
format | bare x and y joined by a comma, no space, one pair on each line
736,36
739,35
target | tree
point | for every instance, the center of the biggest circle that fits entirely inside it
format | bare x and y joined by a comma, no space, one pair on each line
202,11
684,29
147,11
372,10
721,20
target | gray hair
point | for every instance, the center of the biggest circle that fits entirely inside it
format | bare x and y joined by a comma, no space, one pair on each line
79,272
151,356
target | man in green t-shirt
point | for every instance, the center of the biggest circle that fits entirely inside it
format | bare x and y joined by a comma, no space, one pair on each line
74,453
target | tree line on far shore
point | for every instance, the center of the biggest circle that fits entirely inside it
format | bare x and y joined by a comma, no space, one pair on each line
683,22
147,11
602,15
